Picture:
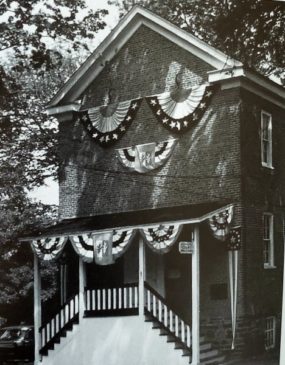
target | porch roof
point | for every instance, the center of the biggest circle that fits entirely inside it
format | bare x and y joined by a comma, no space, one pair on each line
185,214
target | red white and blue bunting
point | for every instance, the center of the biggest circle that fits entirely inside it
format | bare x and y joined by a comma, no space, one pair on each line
48,248
234,245
107,124
102,248
161,238
146,157
220,223
178,110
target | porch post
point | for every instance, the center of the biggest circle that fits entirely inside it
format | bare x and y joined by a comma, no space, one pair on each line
37,309
282,344
141,276
196,298
82,285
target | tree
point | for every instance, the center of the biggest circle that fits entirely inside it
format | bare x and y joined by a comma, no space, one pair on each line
38,40
18,216
251,31
36,36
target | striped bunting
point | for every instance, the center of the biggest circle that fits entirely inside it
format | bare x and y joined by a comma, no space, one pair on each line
107,124
220,224
178,110
161,238
49,248
146,157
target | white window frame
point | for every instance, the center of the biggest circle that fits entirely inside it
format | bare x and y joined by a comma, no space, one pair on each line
268,240
270,333
266,162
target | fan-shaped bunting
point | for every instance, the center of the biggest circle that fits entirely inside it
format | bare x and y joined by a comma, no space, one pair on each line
178,110
146,157
103,248
220,223
161,238
107,124
48,248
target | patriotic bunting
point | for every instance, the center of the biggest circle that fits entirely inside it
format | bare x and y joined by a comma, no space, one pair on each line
83,246
219,223
146,157
234,245
178,110
107,124
161,238
102,248
49,248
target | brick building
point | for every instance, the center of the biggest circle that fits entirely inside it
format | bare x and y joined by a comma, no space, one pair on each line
171,195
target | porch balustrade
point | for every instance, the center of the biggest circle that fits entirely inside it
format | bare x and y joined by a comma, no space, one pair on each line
112,301
67,315
157,308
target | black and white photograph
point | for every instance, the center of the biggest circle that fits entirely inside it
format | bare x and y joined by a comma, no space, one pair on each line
142,182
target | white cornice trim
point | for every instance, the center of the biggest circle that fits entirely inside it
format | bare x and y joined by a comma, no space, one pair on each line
258,85
138,16
74,107
196,220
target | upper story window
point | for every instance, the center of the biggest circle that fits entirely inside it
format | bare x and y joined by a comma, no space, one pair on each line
268,241
270,332
266,139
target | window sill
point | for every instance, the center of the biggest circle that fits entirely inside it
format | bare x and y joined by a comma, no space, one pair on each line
270,167
267,266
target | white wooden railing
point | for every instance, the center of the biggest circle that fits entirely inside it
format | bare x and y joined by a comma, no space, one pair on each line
67,313
112,300
156,306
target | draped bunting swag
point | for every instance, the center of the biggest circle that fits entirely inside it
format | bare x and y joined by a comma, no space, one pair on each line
107,124
146,157
234,245
49,248
177,111
219,224
161,238
103,248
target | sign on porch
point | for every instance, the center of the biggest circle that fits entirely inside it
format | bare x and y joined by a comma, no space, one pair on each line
186,247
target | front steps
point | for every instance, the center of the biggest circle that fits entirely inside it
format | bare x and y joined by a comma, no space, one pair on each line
208,355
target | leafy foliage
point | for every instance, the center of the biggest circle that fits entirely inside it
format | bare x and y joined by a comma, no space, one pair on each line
18,216
250,31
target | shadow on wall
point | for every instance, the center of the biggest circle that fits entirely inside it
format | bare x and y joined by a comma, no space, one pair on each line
203,166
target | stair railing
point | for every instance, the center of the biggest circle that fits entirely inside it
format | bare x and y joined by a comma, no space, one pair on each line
156,307
66,315
112,301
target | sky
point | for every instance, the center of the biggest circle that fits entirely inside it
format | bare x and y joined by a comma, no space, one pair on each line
48,193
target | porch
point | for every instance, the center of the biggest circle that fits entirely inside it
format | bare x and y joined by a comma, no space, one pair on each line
132,303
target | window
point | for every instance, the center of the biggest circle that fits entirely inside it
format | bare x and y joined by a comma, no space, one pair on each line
266,139
268,243
270,332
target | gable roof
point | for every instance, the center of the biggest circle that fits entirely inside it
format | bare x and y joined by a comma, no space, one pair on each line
129,24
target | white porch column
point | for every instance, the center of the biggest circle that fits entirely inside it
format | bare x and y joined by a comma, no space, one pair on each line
282,344
82,285
196,298
37,309
141,276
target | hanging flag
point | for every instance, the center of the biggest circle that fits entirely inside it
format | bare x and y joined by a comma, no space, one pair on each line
161,238
83,246
49,248
234,245
220,223
107,124
146,157
178,110
103,248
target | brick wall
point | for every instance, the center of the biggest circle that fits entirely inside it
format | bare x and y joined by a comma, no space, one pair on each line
262,191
